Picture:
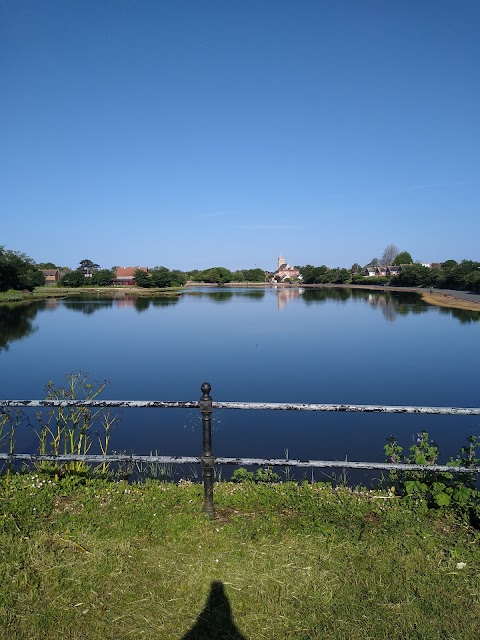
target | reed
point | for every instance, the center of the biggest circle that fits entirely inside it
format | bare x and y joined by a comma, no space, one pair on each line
69,430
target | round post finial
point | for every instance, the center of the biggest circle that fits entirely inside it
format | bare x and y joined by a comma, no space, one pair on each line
206,388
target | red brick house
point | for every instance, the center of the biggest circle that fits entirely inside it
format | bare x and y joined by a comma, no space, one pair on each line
125,276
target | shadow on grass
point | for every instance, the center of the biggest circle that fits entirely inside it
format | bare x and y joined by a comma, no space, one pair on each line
215,622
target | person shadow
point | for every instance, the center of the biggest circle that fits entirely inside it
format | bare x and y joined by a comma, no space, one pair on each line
215,622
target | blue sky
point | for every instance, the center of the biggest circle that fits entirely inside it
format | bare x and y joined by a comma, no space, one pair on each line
193,133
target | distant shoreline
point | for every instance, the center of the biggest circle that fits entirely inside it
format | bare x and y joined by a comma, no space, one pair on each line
438,297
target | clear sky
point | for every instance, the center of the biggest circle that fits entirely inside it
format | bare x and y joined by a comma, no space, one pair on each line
194,133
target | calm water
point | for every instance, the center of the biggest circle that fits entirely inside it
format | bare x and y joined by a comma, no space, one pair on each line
329,345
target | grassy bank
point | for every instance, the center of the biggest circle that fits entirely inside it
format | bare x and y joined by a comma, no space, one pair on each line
97,559
44,293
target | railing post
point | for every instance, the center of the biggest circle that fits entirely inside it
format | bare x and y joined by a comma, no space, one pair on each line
208,461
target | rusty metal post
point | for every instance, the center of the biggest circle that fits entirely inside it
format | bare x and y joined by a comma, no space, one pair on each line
208,461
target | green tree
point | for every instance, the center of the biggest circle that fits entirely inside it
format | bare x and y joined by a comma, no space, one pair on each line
142,279
102,278
449,264
238,276
403,258
313,275
73,279
179,278
18,271
88,267
216,275
161,277
254,275
472,280
413,276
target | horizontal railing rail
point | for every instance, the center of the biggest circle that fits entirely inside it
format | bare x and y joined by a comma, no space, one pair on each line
250,462
207,459
252,406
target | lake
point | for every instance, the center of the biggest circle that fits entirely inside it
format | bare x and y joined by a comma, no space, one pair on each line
276,345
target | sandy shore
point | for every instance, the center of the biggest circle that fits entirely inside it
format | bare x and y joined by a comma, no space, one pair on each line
444,299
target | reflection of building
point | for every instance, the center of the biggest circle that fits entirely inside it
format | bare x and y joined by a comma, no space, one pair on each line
285,272
125,302
125,276
385,303
287,295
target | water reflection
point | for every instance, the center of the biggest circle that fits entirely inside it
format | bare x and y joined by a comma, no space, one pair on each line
462,315
220,296
87,306
142,304
165,302
287,295
255,295
390,303
16,322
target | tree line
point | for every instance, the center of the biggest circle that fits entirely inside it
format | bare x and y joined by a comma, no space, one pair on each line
89,274
462,276
18,271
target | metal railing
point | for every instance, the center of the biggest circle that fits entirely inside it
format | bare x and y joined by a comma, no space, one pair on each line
208,460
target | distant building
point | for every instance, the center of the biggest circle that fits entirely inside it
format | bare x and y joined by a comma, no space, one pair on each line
52,276
385,272
125,276
285,271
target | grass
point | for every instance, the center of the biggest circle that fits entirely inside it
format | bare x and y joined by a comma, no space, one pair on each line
43,293
90,558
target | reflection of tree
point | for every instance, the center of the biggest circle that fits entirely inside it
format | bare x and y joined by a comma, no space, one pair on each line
141,304
215,622
220,296
165,301
87,306
253,294
16,322
391,303
325,294
464,316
